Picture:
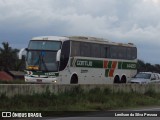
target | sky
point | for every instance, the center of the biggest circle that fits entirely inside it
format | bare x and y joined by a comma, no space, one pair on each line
124,21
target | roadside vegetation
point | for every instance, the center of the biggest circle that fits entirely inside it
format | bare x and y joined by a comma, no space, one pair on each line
9,58
79,100
13,82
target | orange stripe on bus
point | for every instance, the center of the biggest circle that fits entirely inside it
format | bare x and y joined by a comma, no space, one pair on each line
105,64
114,64
111,72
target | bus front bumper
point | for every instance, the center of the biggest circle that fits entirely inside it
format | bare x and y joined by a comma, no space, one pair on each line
40,80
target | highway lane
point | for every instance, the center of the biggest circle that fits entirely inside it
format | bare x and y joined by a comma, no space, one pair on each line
139,114
127,114
106,118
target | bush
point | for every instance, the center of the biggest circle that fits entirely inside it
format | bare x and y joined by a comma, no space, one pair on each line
78,100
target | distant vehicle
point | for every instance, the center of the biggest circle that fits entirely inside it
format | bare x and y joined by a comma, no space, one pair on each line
146,77
79,60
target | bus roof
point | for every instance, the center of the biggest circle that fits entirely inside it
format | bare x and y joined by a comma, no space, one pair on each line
52,38
82,38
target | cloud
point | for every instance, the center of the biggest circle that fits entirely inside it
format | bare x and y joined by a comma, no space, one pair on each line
134,21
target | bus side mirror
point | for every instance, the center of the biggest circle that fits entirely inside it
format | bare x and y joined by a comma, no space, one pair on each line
22,53
58,55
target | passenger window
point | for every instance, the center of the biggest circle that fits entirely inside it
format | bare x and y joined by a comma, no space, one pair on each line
102,51
64,55
95,50
121,52
114,52
107,52
75,48
134,53
129,53
85,49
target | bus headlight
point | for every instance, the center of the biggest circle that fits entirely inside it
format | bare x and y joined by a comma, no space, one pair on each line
54,81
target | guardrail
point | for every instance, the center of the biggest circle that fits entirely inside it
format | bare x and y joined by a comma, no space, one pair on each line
29,89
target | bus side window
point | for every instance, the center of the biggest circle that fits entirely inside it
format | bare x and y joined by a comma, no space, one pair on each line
65,51
105,51
95,50
85,49
121,52
114,52
129,53
75,48
102,51
134,53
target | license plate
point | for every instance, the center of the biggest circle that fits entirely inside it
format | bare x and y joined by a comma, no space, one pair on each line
39,80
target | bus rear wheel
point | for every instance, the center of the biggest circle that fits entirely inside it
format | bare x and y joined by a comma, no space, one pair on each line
123,79
116,79
74,79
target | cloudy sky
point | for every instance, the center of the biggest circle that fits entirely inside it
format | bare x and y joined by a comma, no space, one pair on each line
136,21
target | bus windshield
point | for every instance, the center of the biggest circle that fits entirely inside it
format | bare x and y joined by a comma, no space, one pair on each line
44,45
42,60
41,55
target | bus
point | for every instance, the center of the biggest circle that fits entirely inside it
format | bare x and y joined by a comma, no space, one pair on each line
79,60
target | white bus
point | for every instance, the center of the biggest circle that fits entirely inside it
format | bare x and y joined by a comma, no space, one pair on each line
79,60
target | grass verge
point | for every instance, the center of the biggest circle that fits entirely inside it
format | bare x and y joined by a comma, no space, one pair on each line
79,100
16,81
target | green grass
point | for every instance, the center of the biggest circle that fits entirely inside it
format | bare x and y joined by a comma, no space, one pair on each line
12,82
79,100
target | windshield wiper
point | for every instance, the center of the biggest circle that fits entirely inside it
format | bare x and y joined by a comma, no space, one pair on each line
41,61
45,66
38,60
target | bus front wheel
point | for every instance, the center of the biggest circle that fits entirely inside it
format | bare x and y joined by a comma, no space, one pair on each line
74,79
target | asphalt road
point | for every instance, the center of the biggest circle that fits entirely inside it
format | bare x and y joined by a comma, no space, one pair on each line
127,114
134,114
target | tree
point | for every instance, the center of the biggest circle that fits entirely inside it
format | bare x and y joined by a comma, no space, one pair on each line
147,67
8,57
141,66
157,68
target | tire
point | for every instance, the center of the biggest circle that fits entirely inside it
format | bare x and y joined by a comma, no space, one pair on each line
123,79
116,79
74,79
